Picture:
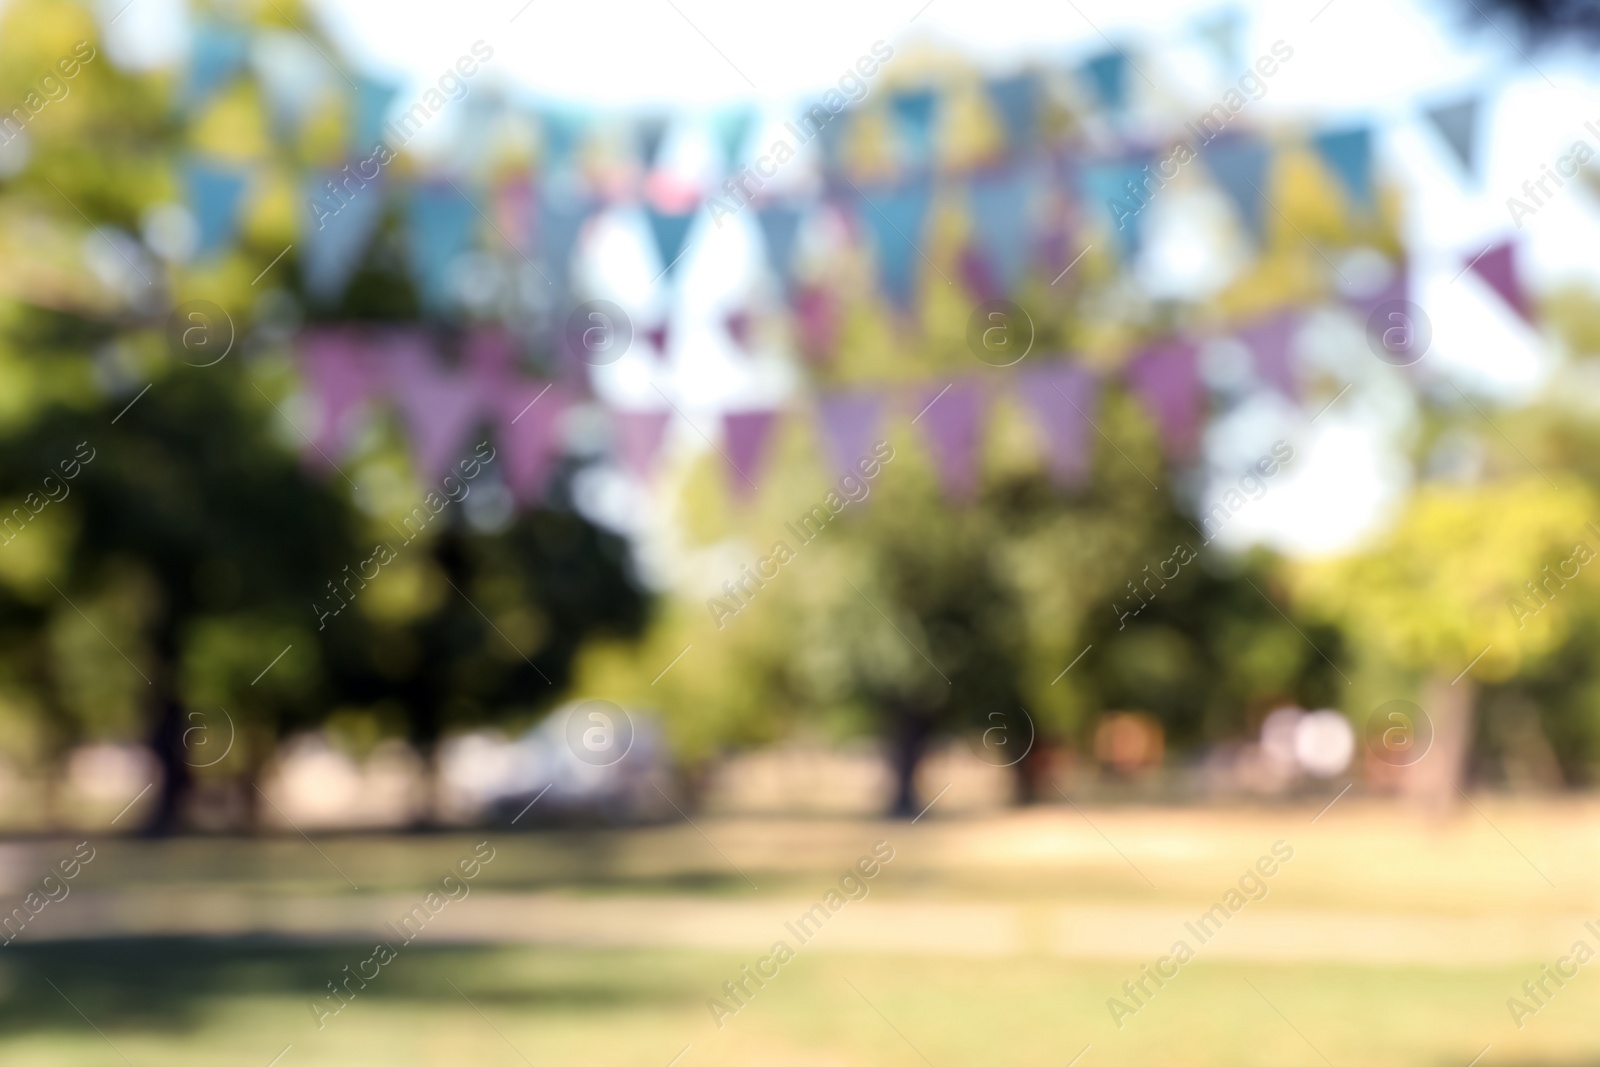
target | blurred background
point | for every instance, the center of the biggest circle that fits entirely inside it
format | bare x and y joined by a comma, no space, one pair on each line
569,493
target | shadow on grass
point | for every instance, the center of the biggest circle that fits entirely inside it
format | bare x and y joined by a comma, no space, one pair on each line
173,983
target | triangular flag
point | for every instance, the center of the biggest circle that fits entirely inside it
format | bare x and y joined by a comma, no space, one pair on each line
443,224
1457,123
1348,153
529,416
1108,201
1062,396
649,131
738,325
372,102
639,438
336,241
952,419
1016,99
1369,300
214,193
1240,167
440,410
895,215
560,132
1223,32
292,77
563,209
1001,203
732,128
337,368
780,226
748,435
490,357
514,202
913,113
817,314
1498,266
1166,380
1107,73
658,335
1271,344
216,53
849,423
671,231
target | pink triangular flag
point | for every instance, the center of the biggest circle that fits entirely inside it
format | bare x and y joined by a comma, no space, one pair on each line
1271,341
849,422
338,368
1062,396
816,312
952,419
748,435
659,335
639,437
1167,381
529,427
440,409
1498,267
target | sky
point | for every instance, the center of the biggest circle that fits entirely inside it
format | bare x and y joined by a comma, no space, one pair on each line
1377,61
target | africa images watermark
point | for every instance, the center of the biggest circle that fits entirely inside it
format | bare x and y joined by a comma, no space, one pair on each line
1567,165
1558,973
451,86
852,89
70,469
51,89
52,889
1541,593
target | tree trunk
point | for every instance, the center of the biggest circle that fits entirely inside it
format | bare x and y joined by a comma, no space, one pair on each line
1435,781
913,729
176,780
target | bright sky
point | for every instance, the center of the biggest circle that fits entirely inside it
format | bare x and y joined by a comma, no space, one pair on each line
1355,60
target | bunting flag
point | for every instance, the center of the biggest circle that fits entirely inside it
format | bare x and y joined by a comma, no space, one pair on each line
336,366
372,102
1108,201
894,216
563,209
1001,202
490,357
217,52
1498,267
658,336
748,435
443,226
1457,124
639,435
913,114
671,232
737,323
560,133
1016,100
732,129
1062,397
440,410
1224,32
1107,75
215,194
528,416
514,202
952,419
334,245
1348,153
648,133
780,229
1271,344
292,77
817,320
1240,167
1397,287
849,423
1166,379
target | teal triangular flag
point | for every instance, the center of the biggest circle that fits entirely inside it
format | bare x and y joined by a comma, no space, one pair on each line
442,224
1457,123
732,128
1108,74
1222,32
216,54
1240,167
1104,188
215,194
1349,154
371,105
670,230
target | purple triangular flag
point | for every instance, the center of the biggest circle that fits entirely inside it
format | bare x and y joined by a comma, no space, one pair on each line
849,423
953,420
639,437
1167,381
1062,397
337,368
1498,267
748,435
1270,341
529,429
440,410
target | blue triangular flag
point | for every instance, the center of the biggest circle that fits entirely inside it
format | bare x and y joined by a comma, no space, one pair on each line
214,193
1240,166
895,215
1000,202
732,127
913,112
337,238
1108,74
1016,99
1107,198
670,230
442,224
216,54
1223,32
1349,154
1457,123
649,131
780,226
371,106
559,134
563,209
